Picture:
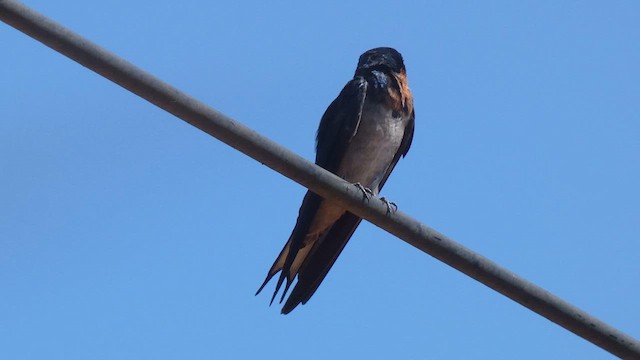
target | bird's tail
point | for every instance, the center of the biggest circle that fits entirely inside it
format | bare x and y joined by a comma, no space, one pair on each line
295,251
320,260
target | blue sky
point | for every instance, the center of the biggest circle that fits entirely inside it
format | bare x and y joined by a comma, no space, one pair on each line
127,234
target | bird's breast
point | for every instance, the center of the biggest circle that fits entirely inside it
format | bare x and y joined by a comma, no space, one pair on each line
374,146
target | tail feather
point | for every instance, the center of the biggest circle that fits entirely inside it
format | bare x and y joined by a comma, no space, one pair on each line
275,293
294,253
320,260
277,265
308,259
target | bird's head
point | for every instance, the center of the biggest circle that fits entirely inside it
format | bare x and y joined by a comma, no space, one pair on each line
385,59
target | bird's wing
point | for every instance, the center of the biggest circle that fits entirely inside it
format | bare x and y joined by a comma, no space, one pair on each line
338,126
327,249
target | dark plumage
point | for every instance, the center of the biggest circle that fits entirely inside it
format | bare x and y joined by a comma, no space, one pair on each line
362,135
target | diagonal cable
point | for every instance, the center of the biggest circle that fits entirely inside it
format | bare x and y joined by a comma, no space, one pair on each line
317,179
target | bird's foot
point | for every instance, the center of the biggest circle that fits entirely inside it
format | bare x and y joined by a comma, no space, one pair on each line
391,206
366,192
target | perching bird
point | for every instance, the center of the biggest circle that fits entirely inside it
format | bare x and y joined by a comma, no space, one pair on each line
361,137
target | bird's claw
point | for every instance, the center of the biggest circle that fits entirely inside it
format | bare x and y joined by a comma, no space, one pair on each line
391,206
366,192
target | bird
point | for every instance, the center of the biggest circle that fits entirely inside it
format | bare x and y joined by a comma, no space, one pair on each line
361,136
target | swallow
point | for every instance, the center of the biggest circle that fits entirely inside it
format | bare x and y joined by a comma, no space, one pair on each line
362,135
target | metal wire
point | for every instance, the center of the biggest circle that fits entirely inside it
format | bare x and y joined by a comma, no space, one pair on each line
317,179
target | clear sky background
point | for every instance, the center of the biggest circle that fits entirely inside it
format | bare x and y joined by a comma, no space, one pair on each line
127,234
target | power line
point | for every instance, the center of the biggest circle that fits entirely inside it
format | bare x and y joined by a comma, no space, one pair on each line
316,179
